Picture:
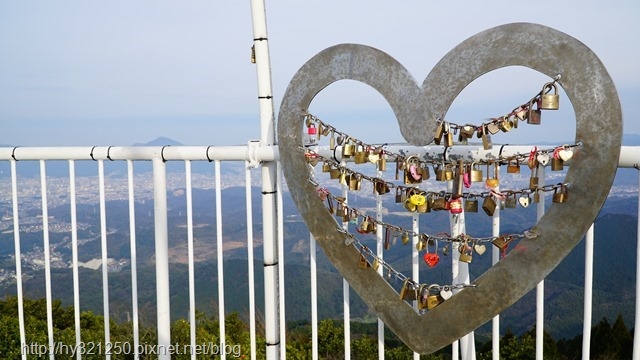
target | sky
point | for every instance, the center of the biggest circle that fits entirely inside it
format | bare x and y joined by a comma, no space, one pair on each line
122,72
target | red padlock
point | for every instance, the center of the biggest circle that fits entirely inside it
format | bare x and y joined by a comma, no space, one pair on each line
455,206
431,259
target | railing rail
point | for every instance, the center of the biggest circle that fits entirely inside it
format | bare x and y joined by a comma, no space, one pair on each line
251,155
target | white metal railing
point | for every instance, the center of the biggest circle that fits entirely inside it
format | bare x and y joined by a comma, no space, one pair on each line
251,155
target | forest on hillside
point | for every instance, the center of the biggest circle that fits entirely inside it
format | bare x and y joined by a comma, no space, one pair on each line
608,340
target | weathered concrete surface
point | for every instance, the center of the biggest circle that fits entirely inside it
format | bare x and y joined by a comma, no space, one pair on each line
599,127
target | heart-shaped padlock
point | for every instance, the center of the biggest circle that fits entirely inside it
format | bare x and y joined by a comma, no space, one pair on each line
415,107
524,201
431,259
565,154
543,159
479,248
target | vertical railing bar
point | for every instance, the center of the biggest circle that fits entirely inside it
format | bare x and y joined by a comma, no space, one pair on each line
192,286
250,271
380,255
105,259
47,255
134,260
74,254
588,293
457,225
314,297
540,286
346,318
636,334
495,257
281,288
313,280
415,261
455,277
16,244
220,256
161,232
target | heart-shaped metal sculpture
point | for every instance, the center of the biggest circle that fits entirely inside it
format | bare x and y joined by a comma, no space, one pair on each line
598,127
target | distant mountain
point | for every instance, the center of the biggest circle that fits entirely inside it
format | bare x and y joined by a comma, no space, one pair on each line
161,141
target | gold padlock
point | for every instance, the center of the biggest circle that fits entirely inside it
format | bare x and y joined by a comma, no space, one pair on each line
550,101
466,255
348,149
471,204
433,301
476,173
487,144
326,167
423,295
534,117
362,262
400,195
562,195
380,187
439,203
533,180
495,180
437,137
493,127
439,171
513,166
467,130
448,172
361,155
557,164
405,238
426,206
334,174
511,202
489,205
448,138
332,141
502,242
506,124
382,161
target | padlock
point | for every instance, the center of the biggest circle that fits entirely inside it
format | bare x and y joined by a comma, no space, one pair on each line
382,161
455,206
372,226
426,206
459,180
534,117
467,130
510,202
380,187
362,262
437,137
364,226
489,205
494,181
344,178
502,242
439,203
448,137
506,124
513,166
410,206
471,204
465,254
400,195
423,295
476,173
360,156
421,244
562,195
355,182
332,141
439,171
433,301
550,101
520,113
334,174
408,292
493,127
533,180
405,238
448,172
557,164
536,196
326,167
412,171
486,138
425,172
348,149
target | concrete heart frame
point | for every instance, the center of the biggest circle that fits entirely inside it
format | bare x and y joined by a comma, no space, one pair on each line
598,126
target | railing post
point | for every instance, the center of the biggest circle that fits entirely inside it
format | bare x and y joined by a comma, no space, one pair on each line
636,334
269,188
540,287
495,257
162,257
16,242
588,293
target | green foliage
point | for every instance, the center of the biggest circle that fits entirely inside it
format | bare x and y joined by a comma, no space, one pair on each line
607,341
